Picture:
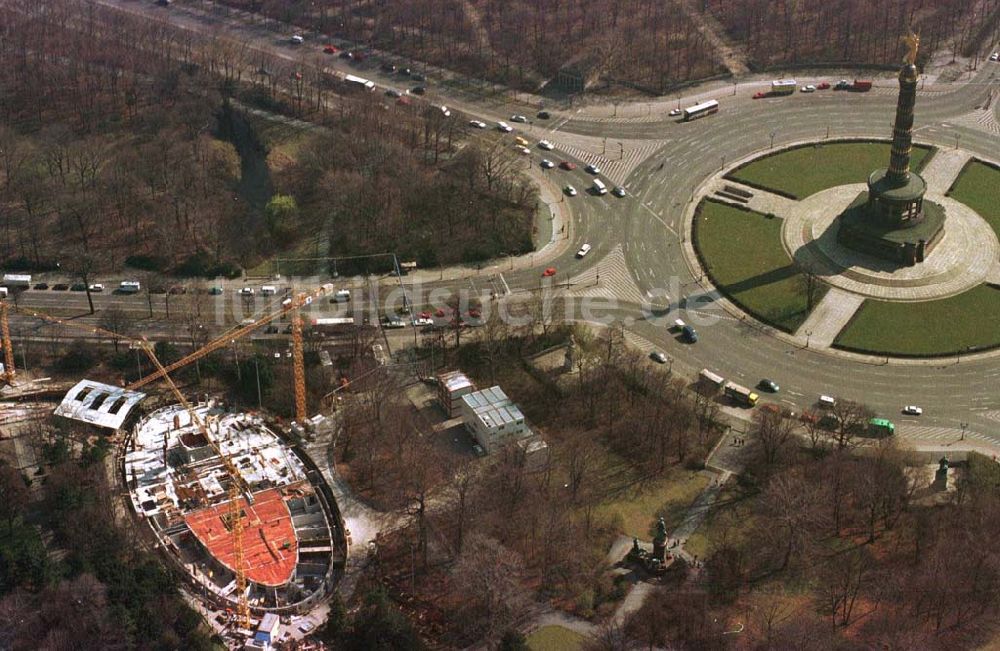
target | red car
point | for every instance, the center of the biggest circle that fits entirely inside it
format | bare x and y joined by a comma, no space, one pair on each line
425,315
566,165
823,86
297,76
551,271
759,95
474,314
329,49
440,312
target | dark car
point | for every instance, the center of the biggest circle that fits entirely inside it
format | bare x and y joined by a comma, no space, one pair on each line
689,334
768,385
416,76
543,115
78,287
658,357
388,67
41,285
271,330
418,90
346,54
405,72
60,287
178,289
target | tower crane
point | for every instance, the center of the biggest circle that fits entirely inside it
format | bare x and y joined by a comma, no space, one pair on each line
8,348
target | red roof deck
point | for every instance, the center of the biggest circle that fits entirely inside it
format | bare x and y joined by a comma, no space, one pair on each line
270,547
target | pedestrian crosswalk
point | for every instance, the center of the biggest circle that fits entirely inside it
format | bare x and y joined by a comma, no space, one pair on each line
616,158
609,279
922,433
981,119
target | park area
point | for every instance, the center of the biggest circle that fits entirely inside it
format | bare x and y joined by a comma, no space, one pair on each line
804,171
742,252
978,187
959,324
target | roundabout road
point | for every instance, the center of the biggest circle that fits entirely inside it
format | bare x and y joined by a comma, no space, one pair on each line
642,232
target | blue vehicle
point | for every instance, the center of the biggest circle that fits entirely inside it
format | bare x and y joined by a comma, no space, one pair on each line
689,334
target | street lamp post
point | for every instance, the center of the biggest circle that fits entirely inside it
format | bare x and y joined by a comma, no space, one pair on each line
773,133
808,335
963,426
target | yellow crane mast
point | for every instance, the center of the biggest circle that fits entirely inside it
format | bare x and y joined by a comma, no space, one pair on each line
299,370
8,347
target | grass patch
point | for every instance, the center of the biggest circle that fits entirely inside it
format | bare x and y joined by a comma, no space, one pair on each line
637,508
804,171
729,518
744,257
946,326
978,187
555,638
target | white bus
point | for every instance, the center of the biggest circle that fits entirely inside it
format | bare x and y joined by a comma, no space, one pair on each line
17,280
359,82
741,394
783,86
129,287
711,378
701,110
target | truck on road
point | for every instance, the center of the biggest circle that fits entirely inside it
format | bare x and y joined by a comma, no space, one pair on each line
740,394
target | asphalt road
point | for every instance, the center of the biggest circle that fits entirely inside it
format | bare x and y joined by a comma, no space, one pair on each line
647,224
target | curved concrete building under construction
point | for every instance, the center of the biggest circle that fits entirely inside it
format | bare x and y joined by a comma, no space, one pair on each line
180,487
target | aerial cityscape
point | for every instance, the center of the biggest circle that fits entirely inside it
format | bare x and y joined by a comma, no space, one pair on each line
515,326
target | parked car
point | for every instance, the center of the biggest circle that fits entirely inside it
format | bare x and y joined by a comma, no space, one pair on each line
478,124
593,169
618,191
768,385
549,272
245,291
518,118
422,321
689,334
809,88
568,166
760,95
60,287
392,92
178,289
96,287
215,290
584,250
546,145
418,90
995,56
329,49
405,72
388,67
416,76
392,322
658,357
570,190
347,54
297,39
674,112
41,285
547,164
543,115
912,410
824,85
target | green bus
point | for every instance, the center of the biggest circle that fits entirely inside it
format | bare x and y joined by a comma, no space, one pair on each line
881,427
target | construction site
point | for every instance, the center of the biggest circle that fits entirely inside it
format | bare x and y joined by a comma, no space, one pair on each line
229,499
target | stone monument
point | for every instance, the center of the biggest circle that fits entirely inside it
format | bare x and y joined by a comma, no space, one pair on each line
891,220
941,475
660,541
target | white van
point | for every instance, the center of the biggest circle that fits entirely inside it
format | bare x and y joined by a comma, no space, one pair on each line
268,290
3,292
827,401
599,187
342,296
129,287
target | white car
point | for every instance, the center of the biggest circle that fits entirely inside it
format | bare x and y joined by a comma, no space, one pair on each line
570,190
912,410
297,39
421,321
97,287
522,149
675,112
518,118
444,111
546,145
504,127
547,164
619,191
593,169
584,250
246,291
995,56
808,89
477,124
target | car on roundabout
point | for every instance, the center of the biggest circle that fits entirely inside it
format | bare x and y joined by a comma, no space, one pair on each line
618,191
759,95
477,124
593,169
912,410
546,145
547,164
769,385
567,165
675,112
549,272
570,190
584,250
543,115
504,127
522,149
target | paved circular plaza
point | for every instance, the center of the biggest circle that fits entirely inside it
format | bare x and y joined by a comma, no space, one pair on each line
963,259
